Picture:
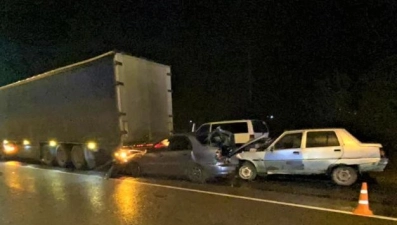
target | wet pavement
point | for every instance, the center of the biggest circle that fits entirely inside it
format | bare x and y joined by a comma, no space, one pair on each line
32,195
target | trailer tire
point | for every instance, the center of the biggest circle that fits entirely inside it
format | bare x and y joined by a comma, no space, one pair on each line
78,157
63,156
48,156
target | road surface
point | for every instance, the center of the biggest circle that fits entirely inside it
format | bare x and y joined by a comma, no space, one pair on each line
31,195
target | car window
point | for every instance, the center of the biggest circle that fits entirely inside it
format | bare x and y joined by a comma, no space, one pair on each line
179,143
235,128
259,126
289,141
204,129
321,139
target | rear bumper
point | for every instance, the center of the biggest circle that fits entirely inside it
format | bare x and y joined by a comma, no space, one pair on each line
222,170
382,165
378,167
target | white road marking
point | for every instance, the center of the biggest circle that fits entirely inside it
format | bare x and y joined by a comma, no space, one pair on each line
223,195
259,200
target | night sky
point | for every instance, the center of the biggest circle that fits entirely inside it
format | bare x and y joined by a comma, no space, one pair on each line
308,63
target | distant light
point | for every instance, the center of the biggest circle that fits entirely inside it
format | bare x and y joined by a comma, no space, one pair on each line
271,116
26,142
191,121
91,145
53,143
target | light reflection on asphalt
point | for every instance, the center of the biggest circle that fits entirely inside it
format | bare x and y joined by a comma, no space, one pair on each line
127,200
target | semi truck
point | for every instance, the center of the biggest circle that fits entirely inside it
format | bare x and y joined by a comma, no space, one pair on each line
78,115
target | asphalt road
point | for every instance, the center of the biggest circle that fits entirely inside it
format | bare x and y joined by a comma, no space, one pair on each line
30,195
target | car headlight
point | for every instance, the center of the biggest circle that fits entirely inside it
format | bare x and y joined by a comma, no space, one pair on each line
121,154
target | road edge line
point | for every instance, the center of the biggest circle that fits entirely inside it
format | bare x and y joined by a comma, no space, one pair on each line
131,180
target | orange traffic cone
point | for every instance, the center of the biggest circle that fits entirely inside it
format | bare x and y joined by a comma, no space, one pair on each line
363,203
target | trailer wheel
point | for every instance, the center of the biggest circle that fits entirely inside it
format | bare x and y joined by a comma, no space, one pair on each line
47,155
78,158
62,156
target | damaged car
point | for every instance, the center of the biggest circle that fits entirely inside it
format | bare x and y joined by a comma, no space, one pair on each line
334,152
184,156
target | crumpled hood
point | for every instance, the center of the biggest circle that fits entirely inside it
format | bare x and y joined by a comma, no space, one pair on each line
241,148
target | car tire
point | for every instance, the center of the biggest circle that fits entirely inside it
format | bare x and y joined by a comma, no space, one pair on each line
247,171
344,175
133,169
197,174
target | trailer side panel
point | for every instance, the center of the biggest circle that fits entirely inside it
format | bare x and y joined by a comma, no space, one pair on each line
76,105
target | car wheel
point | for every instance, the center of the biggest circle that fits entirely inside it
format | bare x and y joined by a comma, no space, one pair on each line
133,169
247,171
344,175
197,174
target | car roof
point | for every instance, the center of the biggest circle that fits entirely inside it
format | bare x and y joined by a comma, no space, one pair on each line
314,129
232,121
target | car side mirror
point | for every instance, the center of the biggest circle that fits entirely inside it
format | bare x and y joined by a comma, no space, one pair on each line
271,148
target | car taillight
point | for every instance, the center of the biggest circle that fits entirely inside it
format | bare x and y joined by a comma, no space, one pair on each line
162,144
382,153
159,145
142,145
